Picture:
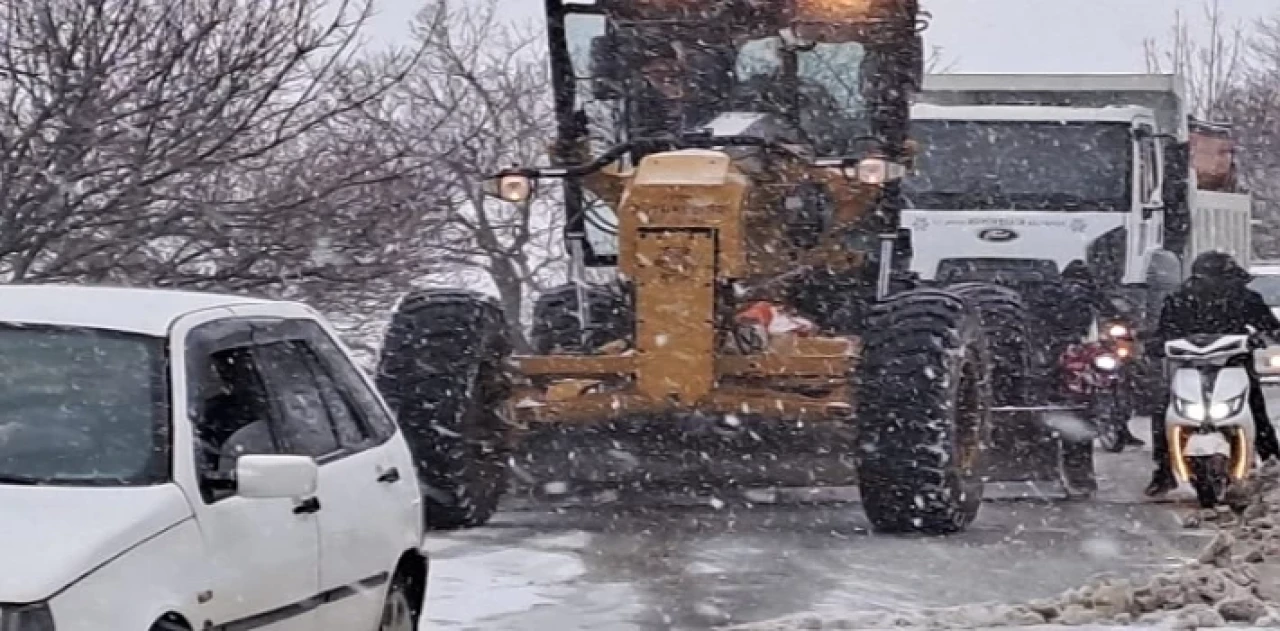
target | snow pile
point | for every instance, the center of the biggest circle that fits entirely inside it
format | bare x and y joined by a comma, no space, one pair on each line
1234,582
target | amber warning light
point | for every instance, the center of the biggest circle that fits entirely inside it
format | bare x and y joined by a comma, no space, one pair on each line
834,10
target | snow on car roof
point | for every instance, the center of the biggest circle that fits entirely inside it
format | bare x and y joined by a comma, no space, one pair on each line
126,309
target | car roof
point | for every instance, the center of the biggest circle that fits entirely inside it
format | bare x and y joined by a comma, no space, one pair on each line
125,309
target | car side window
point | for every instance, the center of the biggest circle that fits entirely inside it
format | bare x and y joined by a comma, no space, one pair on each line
346,376
230,414
352,433
304,427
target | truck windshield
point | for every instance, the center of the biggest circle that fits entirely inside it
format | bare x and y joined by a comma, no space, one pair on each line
81,407
1014,165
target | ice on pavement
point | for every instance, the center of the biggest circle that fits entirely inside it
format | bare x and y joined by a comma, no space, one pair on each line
1234,581
497,583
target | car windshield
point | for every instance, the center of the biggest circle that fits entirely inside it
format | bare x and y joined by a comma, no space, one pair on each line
1000,165
1269,287
80,407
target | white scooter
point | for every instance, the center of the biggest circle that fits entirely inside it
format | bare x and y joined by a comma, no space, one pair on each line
1209,423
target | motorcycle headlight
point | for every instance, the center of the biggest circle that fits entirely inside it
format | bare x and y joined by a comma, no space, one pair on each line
1193,410
1106,362
26,618
1118,330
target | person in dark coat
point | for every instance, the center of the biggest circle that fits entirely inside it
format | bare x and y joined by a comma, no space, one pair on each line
1216,300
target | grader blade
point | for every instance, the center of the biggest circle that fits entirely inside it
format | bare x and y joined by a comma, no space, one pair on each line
1024,456
690,455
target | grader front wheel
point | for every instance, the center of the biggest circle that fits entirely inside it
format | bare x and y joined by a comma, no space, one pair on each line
923,412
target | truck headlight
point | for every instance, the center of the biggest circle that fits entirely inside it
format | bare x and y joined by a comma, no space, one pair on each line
26,618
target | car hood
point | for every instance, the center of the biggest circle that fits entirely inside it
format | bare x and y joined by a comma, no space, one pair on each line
50,536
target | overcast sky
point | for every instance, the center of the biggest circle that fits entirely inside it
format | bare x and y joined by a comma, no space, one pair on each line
991,35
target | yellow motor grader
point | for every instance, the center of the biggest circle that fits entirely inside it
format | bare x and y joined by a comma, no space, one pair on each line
737,163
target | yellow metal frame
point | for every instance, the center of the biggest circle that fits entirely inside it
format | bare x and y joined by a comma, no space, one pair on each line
688,222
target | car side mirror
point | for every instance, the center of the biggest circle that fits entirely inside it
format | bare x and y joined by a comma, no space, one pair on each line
276,476
1177,216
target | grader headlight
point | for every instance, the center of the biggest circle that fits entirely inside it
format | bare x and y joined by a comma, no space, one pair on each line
876,171
516,188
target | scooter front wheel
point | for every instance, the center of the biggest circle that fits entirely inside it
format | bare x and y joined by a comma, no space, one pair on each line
1210,477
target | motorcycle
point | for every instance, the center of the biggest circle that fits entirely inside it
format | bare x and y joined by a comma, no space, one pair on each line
1094,390
1118,402
1094,381
1210,426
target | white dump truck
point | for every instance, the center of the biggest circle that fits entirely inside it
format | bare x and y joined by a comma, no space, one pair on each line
1019,175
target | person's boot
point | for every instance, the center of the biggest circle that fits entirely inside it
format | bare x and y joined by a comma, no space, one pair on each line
1161,482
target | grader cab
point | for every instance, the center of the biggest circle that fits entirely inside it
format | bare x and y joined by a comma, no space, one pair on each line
736,163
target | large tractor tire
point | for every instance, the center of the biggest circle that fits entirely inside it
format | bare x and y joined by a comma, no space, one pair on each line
444,371
1005,324
557,327
923,413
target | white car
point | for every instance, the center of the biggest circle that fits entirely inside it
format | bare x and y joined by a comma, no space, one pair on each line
1266,281
182,461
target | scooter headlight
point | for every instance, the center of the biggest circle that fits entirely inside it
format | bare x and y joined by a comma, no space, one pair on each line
1192,410
1225,410
1106,362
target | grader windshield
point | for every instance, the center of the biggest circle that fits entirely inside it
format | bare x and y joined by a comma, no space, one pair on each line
826,76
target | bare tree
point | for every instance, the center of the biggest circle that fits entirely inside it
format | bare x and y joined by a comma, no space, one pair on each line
1211,67
194,142
938,62
480,102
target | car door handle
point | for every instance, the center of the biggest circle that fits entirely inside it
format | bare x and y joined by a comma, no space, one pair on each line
390,476
307,506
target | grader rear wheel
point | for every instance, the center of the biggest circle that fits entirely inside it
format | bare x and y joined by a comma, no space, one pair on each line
923,412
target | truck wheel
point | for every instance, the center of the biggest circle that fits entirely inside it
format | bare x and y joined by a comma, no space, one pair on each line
556,326
444,370
923,412
1004,320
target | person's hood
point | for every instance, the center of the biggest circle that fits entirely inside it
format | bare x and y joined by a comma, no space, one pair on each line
51,536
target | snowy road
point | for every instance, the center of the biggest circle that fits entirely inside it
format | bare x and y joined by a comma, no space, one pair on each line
700,567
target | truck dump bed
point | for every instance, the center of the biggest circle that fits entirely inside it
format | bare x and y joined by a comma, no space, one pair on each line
1161,92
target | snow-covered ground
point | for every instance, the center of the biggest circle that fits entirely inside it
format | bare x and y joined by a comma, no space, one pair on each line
817,567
